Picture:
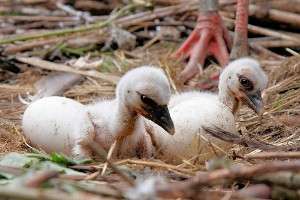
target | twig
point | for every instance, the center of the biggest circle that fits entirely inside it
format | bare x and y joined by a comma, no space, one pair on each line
261,50
156,164
110,152
151,42
37,62
69,30
24,193
39,18
157,13
92,176
30,45
286,5
124,21
291,51
274,155
41,177
276,15
191,186
266,31
101,152
277,43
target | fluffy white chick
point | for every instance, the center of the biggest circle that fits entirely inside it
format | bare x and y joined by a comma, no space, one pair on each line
59,124
241,82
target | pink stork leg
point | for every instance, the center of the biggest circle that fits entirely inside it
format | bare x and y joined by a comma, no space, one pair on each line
210,37
240,40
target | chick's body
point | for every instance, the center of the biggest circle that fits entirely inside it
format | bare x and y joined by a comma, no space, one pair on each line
49,124
190,112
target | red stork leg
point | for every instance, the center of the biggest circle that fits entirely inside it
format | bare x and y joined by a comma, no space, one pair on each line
210,37
197,56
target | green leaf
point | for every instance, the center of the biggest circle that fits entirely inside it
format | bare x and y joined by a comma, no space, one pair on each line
61,159
65,160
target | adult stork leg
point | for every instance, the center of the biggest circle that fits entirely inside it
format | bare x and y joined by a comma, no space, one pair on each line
210,37
240,40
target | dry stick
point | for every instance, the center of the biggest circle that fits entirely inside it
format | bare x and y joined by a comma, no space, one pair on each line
39,18
276,15
92,176
157,13
235,172
41,177
84,167
30,45
68,39
291,51
25,193
110,152
19,171
69,30
277,43
101,152
124,21
136,18
176,2
37,62
73,177
284,5
95,6
151,42
24,2
274,155
155,164
265,51
112,192
268,32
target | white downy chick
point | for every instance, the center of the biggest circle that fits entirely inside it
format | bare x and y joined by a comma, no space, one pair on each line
241,82
59,124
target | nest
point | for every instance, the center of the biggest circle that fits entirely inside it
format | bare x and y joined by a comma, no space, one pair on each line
158,36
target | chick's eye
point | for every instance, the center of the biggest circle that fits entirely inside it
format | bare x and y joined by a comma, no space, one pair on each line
146,100
246,83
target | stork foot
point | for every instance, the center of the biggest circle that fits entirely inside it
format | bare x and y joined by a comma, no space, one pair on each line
210,37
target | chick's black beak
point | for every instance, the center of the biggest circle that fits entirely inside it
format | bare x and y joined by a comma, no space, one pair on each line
255,102
161,116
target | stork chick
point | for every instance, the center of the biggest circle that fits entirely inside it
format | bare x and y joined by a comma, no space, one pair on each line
59,124
241,82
